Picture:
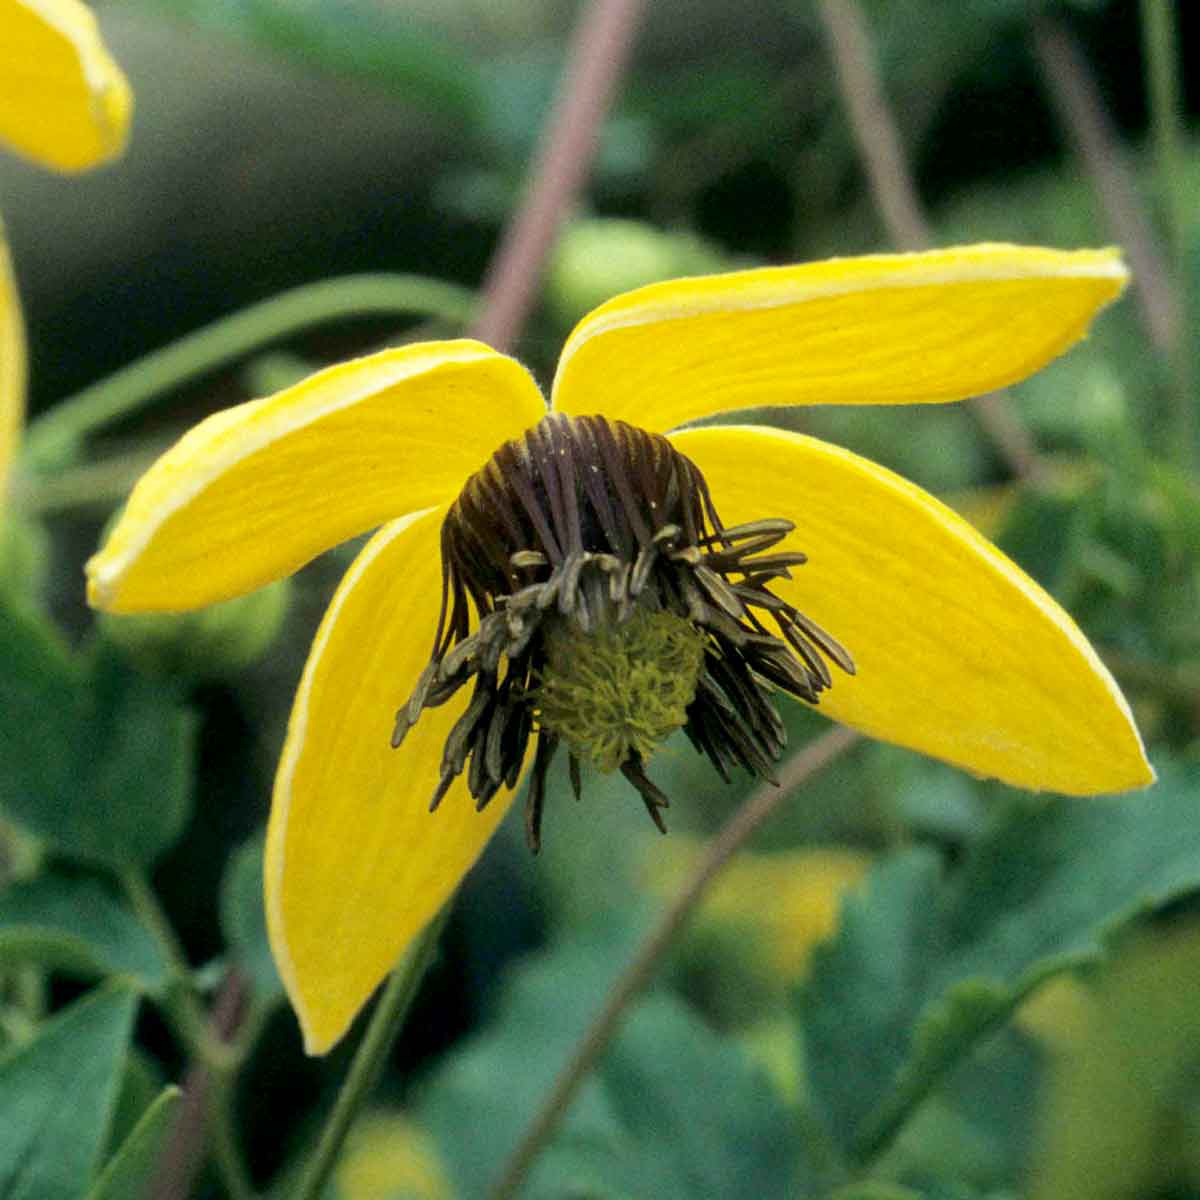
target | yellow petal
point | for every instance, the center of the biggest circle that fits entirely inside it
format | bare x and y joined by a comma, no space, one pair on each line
63,101
886,329
12,366
959,653
256,491
356,865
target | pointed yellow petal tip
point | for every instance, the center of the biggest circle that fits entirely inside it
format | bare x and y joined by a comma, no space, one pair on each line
73,106
356,866
928,327
96,593
959,654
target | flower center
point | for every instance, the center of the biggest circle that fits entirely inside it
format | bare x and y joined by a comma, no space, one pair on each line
594,596
615,694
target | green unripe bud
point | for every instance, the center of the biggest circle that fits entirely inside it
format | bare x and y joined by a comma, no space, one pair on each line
209,643
596,259
622,690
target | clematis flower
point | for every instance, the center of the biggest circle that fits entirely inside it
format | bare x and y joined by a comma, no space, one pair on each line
64,104
562,560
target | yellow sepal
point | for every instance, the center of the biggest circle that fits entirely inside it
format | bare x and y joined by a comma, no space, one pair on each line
356,865
959,653
254,492
883,329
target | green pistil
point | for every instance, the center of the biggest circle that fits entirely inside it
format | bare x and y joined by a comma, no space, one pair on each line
619,692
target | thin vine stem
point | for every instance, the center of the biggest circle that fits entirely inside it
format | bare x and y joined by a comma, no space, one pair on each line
58,433
182,1155
190,1025
1076,95
815,757
371,1056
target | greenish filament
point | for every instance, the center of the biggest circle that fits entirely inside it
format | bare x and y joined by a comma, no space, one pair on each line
619,692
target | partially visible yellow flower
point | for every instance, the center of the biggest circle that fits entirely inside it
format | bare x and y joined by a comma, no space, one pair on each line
785,903
63,100
65,104
388,1157
556,524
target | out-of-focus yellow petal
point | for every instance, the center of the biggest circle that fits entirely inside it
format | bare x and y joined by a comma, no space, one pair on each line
12,366
785,903
256,491
885,329
388,1157
959,653
356,865
63,100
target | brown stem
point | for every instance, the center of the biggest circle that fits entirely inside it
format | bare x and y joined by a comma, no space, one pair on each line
597,58
183,1153
1081,111
895,195
809,761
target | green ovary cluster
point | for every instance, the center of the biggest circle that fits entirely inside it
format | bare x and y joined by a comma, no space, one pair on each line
622,690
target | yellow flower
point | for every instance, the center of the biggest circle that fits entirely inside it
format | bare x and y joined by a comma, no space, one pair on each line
65,104
958,653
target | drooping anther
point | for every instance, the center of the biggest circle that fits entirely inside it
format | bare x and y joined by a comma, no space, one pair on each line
591,592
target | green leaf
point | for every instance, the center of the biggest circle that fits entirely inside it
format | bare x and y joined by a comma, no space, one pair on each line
875,1189
544,1011
696,1113
375,43
977,1129
141,1082
128,1173
141,781
356,38
95,758
57,1094
674,1110
922,967
77,924
244,920
39,693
